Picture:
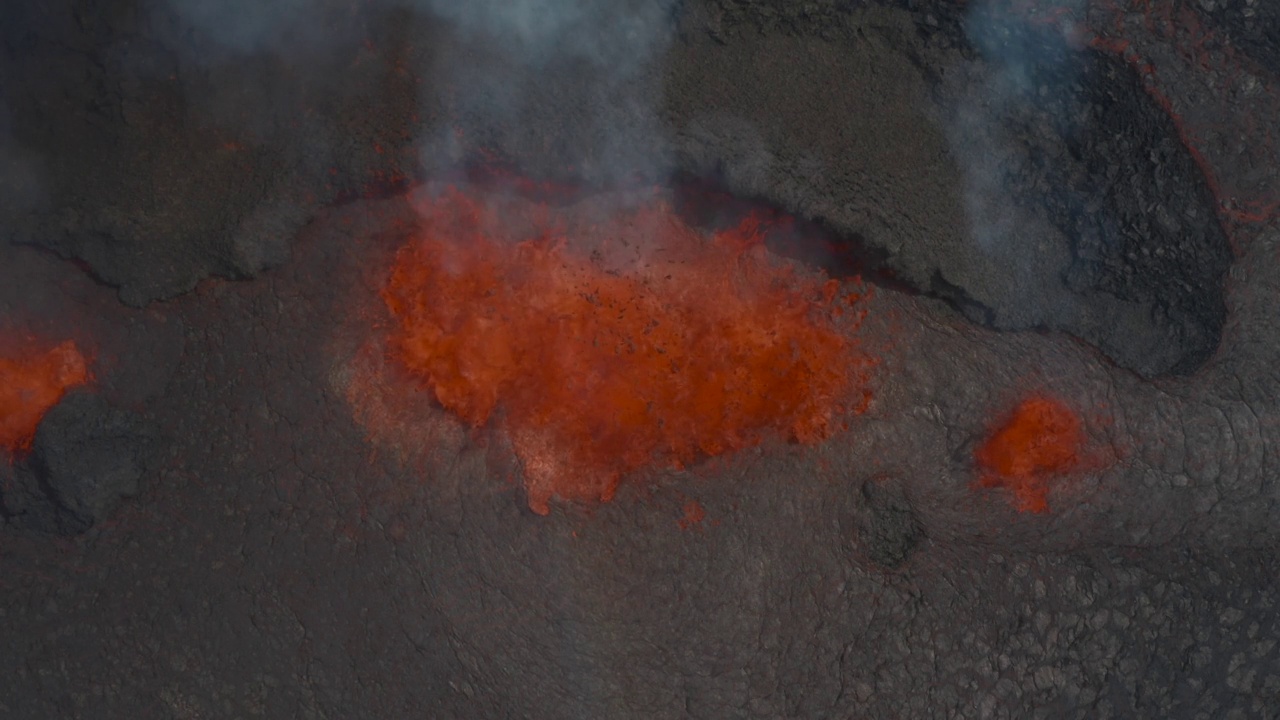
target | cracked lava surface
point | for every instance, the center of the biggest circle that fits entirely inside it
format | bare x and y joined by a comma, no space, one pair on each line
341,518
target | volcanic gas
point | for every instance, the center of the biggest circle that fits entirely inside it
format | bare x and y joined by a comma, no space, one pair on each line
32,384
604,339
1041,440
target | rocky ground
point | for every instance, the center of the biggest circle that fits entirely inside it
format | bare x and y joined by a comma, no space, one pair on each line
1067,197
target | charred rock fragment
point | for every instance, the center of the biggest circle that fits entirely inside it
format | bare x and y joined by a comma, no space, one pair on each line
87,457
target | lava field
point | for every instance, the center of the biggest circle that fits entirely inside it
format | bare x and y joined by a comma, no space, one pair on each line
639,359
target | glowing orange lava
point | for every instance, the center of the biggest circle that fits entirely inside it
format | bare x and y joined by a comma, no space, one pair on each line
608,340
30,386
1042,439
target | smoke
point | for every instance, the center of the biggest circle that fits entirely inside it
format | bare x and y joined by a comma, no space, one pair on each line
1021,46
998,126
558,85
612,35
554,86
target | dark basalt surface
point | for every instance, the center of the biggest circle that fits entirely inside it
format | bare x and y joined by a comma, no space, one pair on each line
1251,26
140,146
87,457
205,196
1088,214
1086,150
159,152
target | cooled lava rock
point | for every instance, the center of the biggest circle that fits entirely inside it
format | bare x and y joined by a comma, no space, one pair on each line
887,527
1252,26
87,457
1103,226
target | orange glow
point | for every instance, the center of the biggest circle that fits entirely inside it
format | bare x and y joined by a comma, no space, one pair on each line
694,514
1042,439
607,341
30,386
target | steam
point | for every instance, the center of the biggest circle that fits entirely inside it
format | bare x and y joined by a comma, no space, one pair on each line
559,82
617,36
543,83
1020,51
1006,38
607,33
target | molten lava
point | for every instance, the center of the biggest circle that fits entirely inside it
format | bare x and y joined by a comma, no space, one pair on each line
694,514
31,385
608,340
1043,439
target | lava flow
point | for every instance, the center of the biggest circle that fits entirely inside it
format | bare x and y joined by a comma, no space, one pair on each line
1043,439
606,340
29,386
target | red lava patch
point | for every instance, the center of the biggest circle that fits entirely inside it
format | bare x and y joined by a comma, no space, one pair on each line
32,384
606,340
1042,439
694,514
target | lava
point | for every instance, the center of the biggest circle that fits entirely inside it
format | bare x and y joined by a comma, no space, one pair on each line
1042,439
29,386
606,340
694,514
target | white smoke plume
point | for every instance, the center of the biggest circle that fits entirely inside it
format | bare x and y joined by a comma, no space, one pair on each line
1020,50
590,54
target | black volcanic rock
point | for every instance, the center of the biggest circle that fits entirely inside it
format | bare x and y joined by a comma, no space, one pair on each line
888,527
89,456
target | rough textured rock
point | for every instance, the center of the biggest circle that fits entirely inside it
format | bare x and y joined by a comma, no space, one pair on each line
886,122
1251,26
89,456
141,147
1083,212
24,503
887,527
1087,212
282,561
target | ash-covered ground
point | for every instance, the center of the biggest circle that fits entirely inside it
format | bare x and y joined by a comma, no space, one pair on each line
243,514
